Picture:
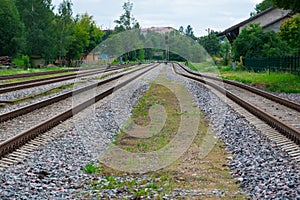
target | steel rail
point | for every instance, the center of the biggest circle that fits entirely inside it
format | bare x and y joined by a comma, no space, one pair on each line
22,138
286,129
285,102
36,83
25,75
29,108
5,85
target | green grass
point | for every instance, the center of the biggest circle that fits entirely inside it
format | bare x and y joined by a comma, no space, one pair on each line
274,82
157,94
31,70
203,67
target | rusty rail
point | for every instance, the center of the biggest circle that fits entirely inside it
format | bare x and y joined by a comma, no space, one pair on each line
22,138
285,102
35,83
284,128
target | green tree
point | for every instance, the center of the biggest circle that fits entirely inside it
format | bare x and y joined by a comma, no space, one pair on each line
294,5
96,35
211,43
64,25
181,30
86,36
37,15
11,29
264,5
253,41
81,37
126,20
290,32
189,32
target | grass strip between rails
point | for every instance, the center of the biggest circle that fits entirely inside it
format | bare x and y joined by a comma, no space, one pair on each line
190,172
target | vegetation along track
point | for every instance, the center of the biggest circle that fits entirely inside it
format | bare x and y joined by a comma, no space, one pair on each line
9,87
281,114
14,142
26,75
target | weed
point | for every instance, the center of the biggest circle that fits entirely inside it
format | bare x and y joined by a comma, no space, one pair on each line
90,168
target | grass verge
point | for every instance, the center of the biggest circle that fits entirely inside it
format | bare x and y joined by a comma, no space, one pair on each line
274,82
31,70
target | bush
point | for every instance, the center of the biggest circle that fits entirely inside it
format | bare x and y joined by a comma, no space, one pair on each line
254,42
26,61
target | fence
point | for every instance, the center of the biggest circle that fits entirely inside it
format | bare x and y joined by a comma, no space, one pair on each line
274,64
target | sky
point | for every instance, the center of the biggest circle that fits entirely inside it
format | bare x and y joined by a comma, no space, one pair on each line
216,15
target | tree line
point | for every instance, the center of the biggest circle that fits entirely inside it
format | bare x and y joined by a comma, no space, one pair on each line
31,27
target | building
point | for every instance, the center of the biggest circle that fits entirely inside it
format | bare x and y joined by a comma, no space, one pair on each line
161,30
270,19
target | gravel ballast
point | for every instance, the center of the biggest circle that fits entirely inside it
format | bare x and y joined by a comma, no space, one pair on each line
54,170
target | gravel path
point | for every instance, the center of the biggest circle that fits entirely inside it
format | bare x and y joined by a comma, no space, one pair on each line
53,171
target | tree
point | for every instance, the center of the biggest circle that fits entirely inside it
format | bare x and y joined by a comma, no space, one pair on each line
65,27
96,37
11,29
294,5
81,36
86,36
264,5
181,30
290,32
189,32
253,41
37,15
126,20
211,43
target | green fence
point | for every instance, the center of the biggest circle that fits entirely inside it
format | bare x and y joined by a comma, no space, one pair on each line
274,64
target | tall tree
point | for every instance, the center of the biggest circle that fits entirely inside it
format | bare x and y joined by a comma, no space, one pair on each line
11,29
65,27
294,5
86,36
181,30
189,32
96,36
37,16
81,36
211,43
126,20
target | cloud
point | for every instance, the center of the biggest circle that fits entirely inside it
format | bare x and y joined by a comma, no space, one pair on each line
201,14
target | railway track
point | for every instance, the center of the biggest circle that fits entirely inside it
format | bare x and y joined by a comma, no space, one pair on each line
26,75
9,87
21,137
280,114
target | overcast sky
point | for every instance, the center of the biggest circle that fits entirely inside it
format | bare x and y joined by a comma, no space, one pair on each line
200,14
